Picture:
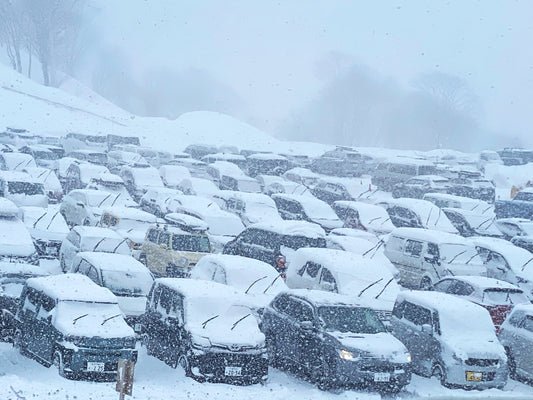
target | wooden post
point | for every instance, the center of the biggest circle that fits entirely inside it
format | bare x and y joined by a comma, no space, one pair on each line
125,371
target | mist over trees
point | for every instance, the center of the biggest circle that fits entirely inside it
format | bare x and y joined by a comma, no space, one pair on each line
358,107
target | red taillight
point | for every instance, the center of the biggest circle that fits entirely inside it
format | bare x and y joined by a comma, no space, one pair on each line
499,313
280,262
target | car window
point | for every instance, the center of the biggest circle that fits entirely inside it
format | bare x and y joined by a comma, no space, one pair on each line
461,289
312,269
443,285
281,303
299,310
528,323
165,300
153,235
163,238
516,318
413,247
92,274
416,314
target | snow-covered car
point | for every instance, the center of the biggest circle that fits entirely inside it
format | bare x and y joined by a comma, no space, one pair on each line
44,155
302,176
498,297
355,233
171,251
80,174
424,257
13,276
266,164
271,184
129,223
241,183
516,336
90,156
251,208
333,189
197,187
219,168
368,217
114,184
197,168
22,189
307,208
344,272
200,326
16,161
72,323
155,200
173,175
90,238
477,206
511,227
85,206
399,169
117,158
416,213
335,340
126,277
418,186
259,281
470,223
50,181
16,244
273,242
487,157
236,159
506,262
431,326
138,178
47,228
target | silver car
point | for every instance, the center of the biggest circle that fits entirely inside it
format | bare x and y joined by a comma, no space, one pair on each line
516,336
432,327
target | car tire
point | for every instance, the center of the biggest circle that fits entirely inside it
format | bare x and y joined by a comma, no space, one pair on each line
57,361
272,351
511,364
438,372
183,361
62,265
425,283
18,342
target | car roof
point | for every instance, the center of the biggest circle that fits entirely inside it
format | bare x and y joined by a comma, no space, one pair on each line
75,287
294,228
95,231
429,235
112,261
483,282
17,176
442,302
130,213
196,288
21,268
323,298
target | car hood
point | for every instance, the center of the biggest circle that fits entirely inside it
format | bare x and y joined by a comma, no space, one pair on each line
20,199
380,345
132,306
328,223
465,269
468,346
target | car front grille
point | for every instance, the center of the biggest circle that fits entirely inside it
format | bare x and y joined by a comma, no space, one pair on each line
482,362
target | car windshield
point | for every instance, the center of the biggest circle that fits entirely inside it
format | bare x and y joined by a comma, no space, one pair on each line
28,188
46,155
127,283
504,296
454,253
350,319
195,243
12,287
297,242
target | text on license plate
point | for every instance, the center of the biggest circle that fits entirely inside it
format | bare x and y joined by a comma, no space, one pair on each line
95,366
233,371
474,376
381,377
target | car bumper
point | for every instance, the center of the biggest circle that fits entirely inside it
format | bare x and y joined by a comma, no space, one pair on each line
376,375
78,363
489,377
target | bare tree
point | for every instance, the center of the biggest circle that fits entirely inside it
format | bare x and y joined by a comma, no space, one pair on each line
11,31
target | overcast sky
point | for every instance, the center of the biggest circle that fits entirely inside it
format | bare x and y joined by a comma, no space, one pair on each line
269,52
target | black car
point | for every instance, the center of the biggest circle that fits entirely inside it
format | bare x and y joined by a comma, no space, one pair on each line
330,340
198,325
267,242
13,276
474,187
418,186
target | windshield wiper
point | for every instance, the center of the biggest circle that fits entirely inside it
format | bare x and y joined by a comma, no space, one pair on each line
369,286
253,283
388,219
52,220
77,318
239,320
527,262
113,203
384,287
429,216
457,255
272,283
484,222
98,244
209,319
108,318
118,245
375,247
104,199
471,258
38,219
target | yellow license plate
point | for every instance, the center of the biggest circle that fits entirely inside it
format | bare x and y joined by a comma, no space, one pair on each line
474,376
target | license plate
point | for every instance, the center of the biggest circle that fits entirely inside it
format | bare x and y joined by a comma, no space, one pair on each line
474,376
381,377
138,327
95,366
233,371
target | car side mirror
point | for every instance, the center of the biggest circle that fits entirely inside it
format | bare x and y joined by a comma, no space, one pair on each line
427,329
307,325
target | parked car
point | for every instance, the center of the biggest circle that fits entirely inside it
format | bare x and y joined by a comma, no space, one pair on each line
488,157
12,279
124,276
470,223
90,156
72,323
241,183
344,272
197,168
415,213
16,161
521,206
79,174
200,150
364,216
236,159
85,206
251,208
48,178
90,238
47,228
156,200
398,170
44,155
498,297
418,186
515,156
476,206
306,208
172,252
335,341
16,244
22,189
266,164
424,257
507,262
271,184
525,242
219,168
200,326
173,175
329,166
511,227
271,243
516,336
111,183
138,178
431,326
197,187
331,190
302,176
116,159
472,185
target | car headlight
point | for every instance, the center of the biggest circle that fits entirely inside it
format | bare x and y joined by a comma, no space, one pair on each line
346,355
200,342
408,357
135,245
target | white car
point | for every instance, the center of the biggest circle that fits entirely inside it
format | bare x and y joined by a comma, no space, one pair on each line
155,200
51,184
250,207
364,216
22,189
140,177
47,228
173,175
15,241
90,238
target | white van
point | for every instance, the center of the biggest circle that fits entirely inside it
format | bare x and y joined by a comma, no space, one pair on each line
424,257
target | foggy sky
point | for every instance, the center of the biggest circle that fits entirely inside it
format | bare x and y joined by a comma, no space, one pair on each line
269,55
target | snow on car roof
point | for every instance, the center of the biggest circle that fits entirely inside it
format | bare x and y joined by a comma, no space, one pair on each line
407,161
18,160
305,172
130,213
7,268
75,287
113,262
250,198
527,190
107,177
301,228
96,232
266,156
224,156
527,308
516,256
323,298
465,201
8,208
197,288
429,235
185,221
482,282
431,177
17,176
